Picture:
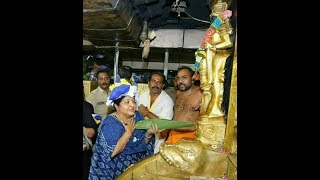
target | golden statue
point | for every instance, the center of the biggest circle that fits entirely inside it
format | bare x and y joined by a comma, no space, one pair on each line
204,157
217,49
182,160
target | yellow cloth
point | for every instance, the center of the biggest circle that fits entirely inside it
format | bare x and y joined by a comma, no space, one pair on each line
122,81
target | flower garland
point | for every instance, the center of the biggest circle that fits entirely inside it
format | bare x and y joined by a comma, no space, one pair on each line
214,26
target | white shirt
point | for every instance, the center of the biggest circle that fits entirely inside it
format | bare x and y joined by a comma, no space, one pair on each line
162,107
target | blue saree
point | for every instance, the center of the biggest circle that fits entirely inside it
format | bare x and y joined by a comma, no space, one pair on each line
105,167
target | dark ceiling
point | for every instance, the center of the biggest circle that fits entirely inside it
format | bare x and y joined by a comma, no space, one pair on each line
117,24
160,14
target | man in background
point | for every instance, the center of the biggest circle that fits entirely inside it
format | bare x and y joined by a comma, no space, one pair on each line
98,97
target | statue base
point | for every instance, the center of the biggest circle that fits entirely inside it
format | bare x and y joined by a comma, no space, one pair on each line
211,132
182,160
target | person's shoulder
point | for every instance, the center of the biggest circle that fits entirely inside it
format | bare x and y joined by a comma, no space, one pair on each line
91,96
197,89
178,93
196,92
93,92
145,93
167,96
109,118
110,123
112,115
143,96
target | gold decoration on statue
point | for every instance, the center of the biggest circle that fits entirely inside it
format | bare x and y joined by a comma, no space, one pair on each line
218,49
179,161
218,7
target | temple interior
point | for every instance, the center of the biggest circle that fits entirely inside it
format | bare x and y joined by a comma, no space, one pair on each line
161,35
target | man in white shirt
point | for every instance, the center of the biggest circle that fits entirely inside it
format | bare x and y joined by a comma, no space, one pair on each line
156,104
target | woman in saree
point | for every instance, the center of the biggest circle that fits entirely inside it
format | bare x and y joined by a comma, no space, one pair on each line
118,143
